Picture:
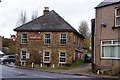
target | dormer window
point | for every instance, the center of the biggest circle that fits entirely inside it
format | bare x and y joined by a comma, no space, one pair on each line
117,17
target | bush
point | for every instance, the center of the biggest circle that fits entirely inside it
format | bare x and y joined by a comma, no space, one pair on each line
77,63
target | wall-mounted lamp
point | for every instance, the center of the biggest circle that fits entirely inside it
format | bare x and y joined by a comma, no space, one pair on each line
103,24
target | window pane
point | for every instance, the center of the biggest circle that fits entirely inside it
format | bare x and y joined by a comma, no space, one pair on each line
24,40
47,54
106,42
106,51
62,54
62,57
62,60
47,35
24,35
23,55
118,12
47,39
46,59
116,42
111,51
116,51
63,41
63,35
118,21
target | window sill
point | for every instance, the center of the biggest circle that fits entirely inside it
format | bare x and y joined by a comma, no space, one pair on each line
63,45
48,45
46,61
115,27
110,58
24,43
62,62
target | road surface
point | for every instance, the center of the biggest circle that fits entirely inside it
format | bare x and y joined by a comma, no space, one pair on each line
11,73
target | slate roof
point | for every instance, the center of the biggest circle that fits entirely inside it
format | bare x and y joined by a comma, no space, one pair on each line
49,22
107,2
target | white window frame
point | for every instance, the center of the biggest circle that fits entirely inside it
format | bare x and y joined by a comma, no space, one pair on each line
63,38
63,57
21,55
47,39
46,56
109,45
23,38
116,16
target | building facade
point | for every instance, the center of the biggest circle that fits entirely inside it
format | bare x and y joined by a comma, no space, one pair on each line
106,36
48,40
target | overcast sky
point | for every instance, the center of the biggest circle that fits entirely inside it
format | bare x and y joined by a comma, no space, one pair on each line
73,11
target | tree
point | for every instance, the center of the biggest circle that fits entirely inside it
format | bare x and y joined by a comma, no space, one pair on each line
84,30
22,19
8,46
34,15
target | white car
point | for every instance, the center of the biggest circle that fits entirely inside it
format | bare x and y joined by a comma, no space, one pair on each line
7,59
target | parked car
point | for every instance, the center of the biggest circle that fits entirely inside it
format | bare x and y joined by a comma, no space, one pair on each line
7,59
87,58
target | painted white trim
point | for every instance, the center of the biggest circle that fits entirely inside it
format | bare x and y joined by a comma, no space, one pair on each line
110,46
47,56
116,17
63,38
47,38
110,58
63,57
22,55
24,38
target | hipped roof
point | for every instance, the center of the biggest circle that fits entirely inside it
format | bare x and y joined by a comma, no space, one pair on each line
48,22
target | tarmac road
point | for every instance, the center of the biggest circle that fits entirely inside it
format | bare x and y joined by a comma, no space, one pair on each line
11,73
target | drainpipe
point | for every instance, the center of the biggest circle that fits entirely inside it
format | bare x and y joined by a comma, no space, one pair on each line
93,44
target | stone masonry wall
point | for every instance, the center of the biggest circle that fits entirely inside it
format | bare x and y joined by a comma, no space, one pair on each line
36,47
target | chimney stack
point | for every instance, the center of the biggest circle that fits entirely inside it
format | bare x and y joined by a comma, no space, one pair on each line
46,10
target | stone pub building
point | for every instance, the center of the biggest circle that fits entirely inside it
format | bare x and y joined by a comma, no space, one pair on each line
48,40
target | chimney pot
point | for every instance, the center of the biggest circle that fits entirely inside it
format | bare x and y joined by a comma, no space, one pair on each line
46,10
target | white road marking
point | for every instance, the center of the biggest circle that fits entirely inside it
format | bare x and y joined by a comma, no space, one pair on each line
42,76
45,76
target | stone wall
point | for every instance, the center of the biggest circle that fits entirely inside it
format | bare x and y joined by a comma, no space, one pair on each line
36,47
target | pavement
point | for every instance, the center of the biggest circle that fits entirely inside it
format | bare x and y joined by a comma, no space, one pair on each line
82,70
